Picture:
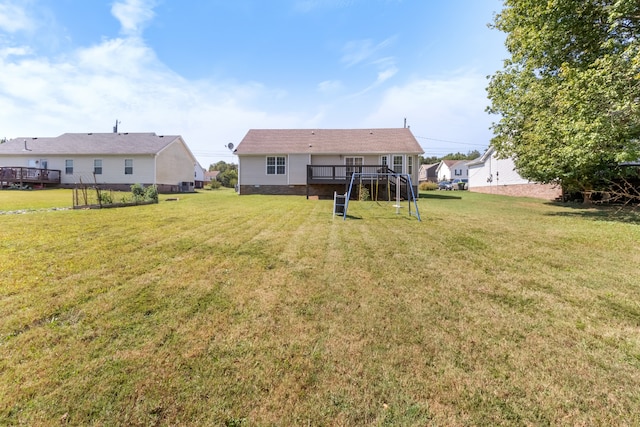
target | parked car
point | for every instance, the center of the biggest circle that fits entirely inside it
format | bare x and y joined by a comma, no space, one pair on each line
445,185
460,184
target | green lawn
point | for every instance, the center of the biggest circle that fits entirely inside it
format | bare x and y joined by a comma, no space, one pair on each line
224,310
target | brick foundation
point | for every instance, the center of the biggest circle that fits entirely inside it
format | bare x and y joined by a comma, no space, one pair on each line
320,191
281,190
538,191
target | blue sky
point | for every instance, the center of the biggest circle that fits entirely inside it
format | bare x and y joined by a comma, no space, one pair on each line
211,70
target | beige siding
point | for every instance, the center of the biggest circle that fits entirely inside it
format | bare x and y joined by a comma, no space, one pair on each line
112,168
297,169
174,165
253,171
327,160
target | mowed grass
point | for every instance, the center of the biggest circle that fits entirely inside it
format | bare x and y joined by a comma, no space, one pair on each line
224,310
13,200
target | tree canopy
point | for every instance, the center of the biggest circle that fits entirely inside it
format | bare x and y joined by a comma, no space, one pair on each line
474,154
228,175
568,98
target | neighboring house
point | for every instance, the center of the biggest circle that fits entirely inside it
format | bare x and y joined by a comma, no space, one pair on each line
428,173
199,176
210,176
452,169
317,162
113,160
489,174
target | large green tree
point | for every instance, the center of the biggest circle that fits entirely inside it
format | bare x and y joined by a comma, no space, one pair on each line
568,98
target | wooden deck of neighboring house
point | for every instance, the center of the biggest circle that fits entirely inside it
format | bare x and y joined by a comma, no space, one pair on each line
22,176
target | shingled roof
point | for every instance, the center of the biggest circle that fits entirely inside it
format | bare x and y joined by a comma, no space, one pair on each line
89,144
328,141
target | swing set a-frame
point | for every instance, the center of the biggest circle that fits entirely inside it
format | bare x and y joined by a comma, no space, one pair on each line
395,183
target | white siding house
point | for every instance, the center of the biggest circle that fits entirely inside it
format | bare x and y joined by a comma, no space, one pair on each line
452,169
490,174
113,160
318,162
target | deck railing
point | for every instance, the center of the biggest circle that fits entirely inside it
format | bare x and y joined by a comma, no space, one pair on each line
340,174
24,175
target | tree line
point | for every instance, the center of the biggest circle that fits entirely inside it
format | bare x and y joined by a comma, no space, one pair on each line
471,155
228,173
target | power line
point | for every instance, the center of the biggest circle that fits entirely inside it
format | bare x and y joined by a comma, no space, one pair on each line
451,142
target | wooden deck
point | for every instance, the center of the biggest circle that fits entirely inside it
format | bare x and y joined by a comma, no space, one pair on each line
340,174
28,176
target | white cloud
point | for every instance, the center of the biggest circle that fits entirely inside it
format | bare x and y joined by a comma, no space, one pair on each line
14,18
133,15
358,51
87,90
330,86
15,51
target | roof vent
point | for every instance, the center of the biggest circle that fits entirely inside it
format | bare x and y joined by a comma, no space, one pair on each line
89,134
370,132
313,132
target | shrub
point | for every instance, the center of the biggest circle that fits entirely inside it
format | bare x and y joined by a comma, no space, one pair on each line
364,194
151,193
427,186
105,198
213,185
138,192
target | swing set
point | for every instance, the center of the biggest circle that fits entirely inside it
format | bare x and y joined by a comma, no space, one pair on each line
394,181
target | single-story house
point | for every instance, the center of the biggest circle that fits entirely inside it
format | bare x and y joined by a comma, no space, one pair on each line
210,176
452,169
490,174
428,173
112,160
317,162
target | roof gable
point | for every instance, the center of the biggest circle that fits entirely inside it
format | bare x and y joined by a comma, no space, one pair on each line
482,159
328,141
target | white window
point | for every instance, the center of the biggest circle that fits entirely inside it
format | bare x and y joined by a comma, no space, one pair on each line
128,166
398,163
68,167
457,172
410,165
276,165
384,160
97,166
